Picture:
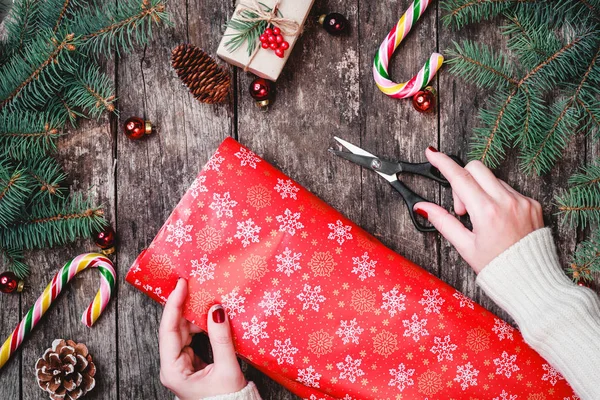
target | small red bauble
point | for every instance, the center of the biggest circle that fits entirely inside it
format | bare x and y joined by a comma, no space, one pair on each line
424,100
136,128
9,283
261,90
106,240
334,23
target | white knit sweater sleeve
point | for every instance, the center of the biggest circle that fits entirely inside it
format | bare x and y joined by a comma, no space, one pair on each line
248,393
557,318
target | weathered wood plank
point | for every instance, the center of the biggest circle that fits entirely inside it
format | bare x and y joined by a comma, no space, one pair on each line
153,174
10,374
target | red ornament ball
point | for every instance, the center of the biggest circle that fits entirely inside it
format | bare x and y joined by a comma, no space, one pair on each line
106,240
261,90
9,283
334,23
136,128
424,100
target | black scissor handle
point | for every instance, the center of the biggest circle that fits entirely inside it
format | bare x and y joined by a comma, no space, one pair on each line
411,198
427,170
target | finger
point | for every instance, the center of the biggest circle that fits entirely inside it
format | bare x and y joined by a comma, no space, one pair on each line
462,182
219,333
169,333
459,206
486,179
446,224
195,329
508,187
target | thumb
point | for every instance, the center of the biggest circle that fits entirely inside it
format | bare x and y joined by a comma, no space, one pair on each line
221,341
446,224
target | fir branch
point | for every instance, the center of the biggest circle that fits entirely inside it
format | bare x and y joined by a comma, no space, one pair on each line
27,134
48,177
91,91
13,259
586,259
21,25
462,12
15,188
588,176
579,206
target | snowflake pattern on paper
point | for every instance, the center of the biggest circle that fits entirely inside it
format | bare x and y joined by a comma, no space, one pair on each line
339,232
432,301
415,328
464,301
203,270
350,369
247,158
506,364
286,188
214,163
363,266
443,348
393,302
551,375
222,205
309,377
311,297
289,221
505,396
198,187
247,232
284,351
233,303
179,233
503,329
255,330
349,331
401,377
466,375
288,262
272,303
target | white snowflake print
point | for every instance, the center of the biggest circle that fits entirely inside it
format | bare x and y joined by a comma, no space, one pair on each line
339,232
255,330
272,303
289,222
203,270
393,302
179,233
363,267
233,303
223,205
401,377
284,351
350,369
288,262
505,396
247,231
551,375
214,163
349,331
443,348
506,364
415,328
314,397
247,158
503,330
309,377
347,397
286,188
463,300
198,187
575,397
432,301
311,297
466,375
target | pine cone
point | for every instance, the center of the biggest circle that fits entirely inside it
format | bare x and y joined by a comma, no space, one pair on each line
66,371
208,82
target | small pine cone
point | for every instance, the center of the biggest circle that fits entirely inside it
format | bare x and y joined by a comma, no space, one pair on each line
208,82
66,371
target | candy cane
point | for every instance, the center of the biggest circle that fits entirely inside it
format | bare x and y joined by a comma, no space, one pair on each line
387,48
60,280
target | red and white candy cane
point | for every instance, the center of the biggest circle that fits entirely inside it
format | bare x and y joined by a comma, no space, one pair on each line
387,48
54,288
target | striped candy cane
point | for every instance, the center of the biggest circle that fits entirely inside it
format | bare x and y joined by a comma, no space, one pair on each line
387,48
58,283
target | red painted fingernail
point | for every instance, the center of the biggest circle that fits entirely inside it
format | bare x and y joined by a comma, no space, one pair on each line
421,212
218,315
431,148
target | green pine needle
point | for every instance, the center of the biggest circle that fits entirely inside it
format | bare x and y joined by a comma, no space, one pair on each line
14,260
27,134
586,259
15,188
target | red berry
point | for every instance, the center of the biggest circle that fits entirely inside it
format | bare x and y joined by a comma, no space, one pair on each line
268,31
279,38
264,45
284,45
279,53
276,31
272,39
274,46
263,38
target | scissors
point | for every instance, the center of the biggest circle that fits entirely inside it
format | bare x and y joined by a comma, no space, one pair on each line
389,170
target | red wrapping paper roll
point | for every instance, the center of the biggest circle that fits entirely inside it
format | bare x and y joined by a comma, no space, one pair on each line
323,307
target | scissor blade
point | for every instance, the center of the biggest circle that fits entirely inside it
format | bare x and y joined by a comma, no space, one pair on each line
352,148
361,157
364,161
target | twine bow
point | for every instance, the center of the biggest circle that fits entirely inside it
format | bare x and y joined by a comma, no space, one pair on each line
288,27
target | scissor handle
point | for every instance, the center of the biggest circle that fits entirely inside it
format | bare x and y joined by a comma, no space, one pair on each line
411,198
427,170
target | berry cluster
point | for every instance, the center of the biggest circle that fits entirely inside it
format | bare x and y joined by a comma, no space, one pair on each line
273,39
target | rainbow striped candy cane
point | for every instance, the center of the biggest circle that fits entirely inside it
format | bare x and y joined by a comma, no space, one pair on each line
60,280
387,48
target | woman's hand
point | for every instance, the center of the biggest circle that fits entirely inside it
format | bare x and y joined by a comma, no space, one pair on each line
181,370
500,216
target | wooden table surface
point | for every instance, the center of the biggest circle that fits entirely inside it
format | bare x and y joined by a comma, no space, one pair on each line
326,89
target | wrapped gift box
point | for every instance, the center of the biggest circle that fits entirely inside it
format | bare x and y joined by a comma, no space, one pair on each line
323,307
265,63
